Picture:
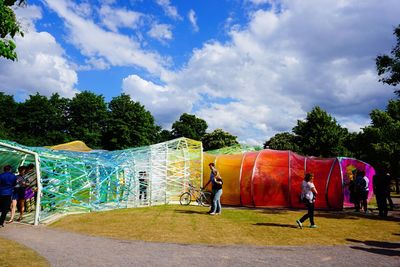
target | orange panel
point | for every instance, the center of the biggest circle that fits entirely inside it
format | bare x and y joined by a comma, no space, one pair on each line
246,197
271,179
229,168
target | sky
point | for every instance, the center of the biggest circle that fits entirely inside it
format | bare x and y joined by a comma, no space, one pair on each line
250,67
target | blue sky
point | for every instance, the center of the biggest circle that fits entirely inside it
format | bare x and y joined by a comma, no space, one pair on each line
250,67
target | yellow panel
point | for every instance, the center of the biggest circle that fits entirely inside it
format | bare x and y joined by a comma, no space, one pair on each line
77,146
229,168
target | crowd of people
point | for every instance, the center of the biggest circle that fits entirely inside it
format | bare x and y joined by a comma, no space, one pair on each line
16,191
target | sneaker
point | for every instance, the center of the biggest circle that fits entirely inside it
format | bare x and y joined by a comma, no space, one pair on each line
299,224
212,213
313,226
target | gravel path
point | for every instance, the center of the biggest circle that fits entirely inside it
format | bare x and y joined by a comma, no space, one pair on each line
62,248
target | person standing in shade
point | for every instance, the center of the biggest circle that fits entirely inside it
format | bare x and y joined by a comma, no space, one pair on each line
308,194
213,173
7,183
18,195
364,190
380,184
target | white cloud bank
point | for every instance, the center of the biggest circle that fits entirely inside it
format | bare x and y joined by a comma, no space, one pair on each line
41,67
283,63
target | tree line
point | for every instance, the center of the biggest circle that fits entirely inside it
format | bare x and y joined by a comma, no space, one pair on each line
121,123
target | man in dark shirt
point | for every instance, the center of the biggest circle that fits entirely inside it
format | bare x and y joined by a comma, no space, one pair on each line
8,181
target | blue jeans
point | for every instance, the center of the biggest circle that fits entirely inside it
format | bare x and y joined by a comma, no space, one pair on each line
216,207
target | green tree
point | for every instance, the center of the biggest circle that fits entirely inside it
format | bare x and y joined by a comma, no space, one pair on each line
129,124
165,135
7,116
283,141
33,120
9,27
320,135
388,67
88,116
218,139
59,123
380,144
189,126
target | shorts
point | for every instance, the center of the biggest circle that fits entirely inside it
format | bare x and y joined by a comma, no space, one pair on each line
364,195
18,194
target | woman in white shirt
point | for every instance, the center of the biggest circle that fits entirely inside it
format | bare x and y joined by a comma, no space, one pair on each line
308,195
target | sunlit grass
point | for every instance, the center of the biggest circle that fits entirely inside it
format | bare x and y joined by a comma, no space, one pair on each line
14,254
191,224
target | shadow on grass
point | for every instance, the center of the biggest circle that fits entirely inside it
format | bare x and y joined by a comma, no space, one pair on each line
191,212
377,247
349,215
276,225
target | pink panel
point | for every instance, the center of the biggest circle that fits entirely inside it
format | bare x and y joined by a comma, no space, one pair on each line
347,165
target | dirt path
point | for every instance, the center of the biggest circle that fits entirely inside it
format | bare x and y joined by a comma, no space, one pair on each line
62,248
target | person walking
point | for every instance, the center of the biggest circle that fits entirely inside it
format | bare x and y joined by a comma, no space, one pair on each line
308,195
7,182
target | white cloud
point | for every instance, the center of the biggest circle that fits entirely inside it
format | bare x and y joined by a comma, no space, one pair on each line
161,32
41,67
114,18
164,102
282,64
94,42
193,20
169,10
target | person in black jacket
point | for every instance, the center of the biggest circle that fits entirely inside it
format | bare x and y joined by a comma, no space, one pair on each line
381,182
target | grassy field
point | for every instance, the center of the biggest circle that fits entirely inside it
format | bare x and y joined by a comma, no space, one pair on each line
14,254
191,224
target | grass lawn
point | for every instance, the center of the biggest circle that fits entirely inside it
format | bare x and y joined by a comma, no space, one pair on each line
14,254
191,224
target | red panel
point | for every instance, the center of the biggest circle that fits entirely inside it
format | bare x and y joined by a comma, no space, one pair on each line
296,178
270,179
320,168
335,189
245,179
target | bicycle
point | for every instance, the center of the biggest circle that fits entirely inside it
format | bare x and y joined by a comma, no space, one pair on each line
202,197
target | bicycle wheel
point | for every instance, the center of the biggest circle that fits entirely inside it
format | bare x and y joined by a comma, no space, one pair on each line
185,199
205,199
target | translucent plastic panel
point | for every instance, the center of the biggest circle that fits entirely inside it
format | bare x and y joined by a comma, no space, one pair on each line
271,179
296,178
321,169
334,192
246,196
347,166
229,168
